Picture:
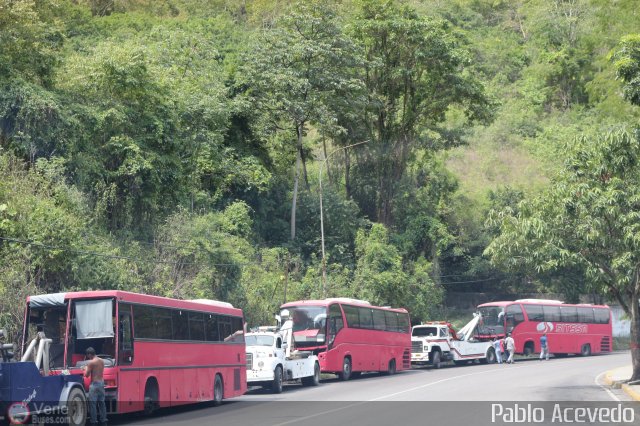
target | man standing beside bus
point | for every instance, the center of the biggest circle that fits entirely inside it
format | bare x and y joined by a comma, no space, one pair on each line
95,370
497,349
511,347
544,347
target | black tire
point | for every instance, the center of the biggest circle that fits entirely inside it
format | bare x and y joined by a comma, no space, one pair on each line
490,358
151,397
391,369
436,359
313,380
346,369
76,408
528,349
586,350
218,391
276,385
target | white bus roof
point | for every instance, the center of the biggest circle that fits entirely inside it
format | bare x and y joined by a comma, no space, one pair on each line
212,302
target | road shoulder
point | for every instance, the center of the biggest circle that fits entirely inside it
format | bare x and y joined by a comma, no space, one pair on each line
616,379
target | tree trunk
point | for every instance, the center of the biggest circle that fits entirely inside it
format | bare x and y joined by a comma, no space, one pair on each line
299,131
324,151
296,179
635,334
347,170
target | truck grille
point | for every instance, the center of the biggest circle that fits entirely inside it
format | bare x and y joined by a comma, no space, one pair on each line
416,347
249,361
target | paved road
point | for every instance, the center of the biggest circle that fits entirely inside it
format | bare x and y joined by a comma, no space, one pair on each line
387,400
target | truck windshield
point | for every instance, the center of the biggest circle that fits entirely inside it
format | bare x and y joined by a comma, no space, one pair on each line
492,321
425,332
258,340
309,323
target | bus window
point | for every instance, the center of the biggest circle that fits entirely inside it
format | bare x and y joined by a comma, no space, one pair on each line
601,316
335,322
585,315
196,325
211,328
551,313
392,320
379,322
353,318
534,312
514,316
366,320
569,314
125,337
180,325
403,323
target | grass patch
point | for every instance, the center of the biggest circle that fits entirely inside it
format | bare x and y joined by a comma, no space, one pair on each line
621,343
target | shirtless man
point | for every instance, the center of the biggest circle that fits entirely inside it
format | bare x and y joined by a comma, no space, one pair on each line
95,370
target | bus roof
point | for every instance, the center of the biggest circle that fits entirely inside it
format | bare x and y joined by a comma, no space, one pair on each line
344,300
58,299
504,303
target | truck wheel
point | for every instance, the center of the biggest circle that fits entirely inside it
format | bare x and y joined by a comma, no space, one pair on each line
490,358
276,386
346,369
436,359
77,407
313,380
218,391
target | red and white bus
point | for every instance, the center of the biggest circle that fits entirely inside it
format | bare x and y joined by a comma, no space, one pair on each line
158,352
571,329
351,336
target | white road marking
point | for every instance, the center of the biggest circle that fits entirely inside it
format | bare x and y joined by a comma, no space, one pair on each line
606,388
443,380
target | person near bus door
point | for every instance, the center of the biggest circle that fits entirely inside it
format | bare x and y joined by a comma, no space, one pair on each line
497,349
511,347
544,347
95,370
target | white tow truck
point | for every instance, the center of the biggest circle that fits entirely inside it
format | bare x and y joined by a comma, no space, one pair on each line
437,342
273,359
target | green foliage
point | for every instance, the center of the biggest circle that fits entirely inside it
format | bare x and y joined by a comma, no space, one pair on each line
627,64
587,220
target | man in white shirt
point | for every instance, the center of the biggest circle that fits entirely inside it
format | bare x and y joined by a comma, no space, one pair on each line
511,347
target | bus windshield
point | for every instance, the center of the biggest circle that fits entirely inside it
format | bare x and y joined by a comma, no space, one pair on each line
492,320
308,322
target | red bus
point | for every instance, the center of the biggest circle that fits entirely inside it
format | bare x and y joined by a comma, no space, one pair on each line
571,329
351,336
158,352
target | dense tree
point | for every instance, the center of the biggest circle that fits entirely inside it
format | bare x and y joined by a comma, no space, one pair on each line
294,71
415,72
588,218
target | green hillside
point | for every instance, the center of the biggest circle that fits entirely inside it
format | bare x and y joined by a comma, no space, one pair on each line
175,147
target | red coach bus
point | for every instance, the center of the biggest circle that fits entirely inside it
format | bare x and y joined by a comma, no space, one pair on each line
351,336
158,352
571,329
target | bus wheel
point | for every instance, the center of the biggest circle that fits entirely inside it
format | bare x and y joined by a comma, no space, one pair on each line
586,350
218,391
76,408
313,380
391,370
436,360
151,396
528,349
346,369
276,386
